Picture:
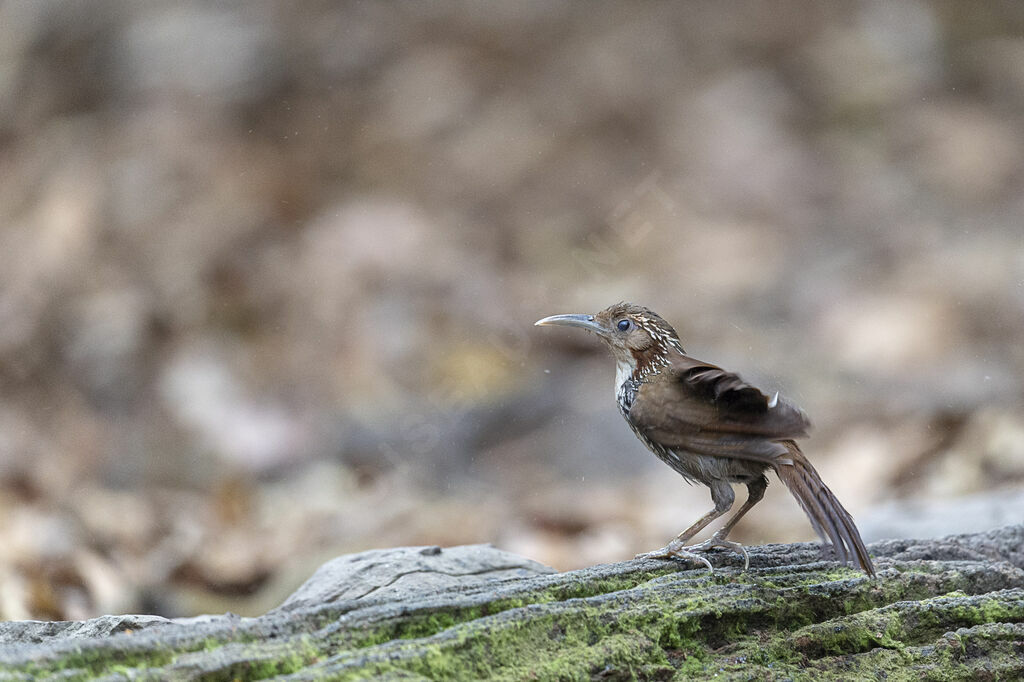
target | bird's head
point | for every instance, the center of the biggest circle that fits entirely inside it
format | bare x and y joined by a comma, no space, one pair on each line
640,339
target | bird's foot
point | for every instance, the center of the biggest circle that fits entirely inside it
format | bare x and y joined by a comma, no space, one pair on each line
716,541
676,550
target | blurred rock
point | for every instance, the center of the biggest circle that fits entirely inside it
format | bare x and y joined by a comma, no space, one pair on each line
201,389
964,151
986,453
932,517
268,273
887,335
193,50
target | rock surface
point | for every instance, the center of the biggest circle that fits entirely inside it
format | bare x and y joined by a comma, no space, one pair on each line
940,609
408,573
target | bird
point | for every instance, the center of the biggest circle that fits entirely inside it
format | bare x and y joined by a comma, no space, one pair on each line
712,428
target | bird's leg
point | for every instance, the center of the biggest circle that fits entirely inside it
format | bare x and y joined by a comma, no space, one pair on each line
755,491
701,524
723,496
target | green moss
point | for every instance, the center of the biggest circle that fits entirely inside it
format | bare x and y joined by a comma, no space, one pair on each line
86,663
633,629
418,625
817,623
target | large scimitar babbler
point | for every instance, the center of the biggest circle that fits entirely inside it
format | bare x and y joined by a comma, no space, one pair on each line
713,428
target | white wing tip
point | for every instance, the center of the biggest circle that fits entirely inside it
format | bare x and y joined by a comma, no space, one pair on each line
774,401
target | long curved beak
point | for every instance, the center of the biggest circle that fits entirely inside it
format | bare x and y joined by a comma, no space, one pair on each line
582,321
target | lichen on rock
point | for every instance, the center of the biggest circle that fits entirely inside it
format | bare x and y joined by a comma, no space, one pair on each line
941,609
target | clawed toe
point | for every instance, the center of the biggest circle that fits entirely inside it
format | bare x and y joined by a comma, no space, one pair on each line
676,552
715,541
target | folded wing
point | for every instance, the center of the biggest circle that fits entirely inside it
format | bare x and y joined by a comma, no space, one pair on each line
705,409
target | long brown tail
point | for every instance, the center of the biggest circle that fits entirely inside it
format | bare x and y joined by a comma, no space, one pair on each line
828,517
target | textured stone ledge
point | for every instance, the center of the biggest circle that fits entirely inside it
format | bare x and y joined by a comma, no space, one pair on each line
940,609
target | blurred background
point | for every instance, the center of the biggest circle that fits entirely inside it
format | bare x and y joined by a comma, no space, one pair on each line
268,275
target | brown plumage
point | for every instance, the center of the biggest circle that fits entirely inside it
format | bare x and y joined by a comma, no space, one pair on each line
712,428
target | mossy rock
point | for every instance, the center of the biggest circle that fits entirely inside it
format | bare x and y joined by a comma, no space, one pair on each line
939,610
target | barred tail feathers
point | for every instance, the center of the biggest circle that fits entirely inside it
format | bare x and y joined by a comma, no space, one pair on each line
827,515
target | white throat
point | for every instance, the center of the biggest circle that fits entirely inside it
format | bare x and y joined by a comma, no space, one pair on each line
623,372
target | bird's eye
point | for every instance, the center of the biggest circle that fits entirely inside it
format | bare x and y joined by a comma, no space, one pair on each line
624,325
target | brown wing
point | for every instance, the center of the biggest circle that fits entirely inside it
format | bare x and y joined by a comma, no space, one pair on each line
705,409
